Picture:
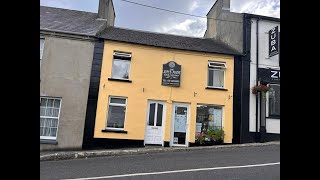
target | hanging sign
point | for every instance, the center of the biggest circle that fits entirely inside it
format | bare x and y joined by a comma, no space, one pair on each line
274,41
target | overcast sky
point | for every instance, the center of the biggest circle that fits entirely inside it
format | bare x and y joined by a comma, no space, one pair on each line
143,18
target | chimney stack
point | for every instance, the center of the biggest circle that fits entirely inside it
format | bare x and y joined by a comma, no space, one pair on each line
226,5
106,11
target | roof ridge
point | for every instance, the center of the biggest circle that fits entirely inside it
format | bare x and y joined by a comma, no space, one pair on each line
167,40
69,9
152,32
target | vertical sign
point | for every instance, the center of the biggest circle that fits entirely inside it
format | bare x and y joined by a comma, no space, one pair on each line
171,73
274,41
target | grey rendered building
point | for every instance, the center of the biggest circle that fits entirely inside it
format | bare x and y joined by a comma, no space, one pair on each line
68,48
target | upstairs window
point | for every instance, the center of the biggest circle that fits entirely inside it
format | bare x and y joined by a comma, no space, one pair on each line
121,65
216,74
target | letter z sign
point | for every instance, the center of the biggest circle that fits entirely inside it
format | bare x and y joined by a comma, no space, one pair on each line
273,41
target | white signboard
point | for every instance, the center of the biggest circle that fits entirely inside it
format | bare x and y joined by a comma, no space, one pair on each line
180,123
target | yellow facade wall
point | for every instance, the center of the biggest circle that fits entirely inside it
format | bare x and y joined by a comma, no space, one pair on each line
146,74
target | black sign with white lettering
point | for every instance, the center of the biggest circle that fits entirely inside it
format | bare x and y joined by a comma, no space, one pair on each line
171,73
269,75
274,41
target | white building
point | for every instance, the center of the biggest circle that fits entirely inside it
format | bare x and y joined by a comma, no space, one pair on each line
254,119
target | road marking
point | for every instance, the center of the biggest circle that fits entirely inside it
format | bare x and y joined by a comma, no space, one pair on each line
176,171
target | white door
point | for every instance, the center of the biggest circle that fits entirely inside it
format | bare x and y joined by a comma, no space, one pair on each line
179,126
155,119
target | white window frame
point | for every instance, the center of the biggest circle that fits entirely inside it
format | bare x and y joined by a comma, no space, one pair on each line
42,50
121,56
217,66
117,104
50,137
267,103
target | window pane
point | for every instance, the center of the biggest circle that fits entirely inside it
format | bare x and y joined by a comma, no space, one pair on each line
181,110
151,114
55,112
49,112
41,131
57,103
43,102
41,43
50,102
41,47
120,69
54,123
159,115
274,100
116,115
217,119
53,132
118,100
45,131
210,78
42,111
218,78
42,121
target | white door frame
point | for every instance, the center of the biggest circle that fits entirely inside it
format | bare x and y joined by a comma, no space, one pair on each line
187,105
163,119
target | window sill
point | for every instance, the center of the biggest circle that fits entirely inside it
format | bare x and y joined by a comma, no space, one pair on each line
273,117
115,131
121,80
48,141
223,89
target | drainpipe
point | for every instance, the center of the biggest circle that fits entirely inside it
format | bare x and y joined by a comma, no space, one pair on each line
257,66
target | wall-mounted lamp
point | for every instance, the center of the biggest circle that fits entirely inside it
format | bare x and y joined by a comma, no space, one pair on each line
194,94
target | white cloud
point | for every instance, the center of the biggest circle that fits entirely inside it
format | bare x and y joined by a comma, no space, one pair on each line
260,7
194,6
188,27
138,17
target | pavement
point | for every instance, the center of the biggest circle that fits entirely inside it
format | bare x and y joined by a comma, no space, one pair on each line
249,162
67,155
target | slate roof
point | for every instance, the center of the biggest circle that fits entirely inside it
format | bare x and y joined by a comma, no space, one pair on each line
70,21
166,41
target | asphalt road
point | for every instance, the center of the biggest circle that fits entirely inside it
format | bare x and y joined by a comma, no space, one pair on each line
231,163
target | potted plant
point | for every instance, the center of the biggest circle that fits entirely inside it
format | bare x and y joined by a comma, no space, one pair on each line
200,138
210,137
263,88
218,136
260,88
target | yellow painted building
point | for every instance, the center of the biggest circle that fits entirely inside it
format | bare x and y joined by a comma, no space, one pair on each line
133,103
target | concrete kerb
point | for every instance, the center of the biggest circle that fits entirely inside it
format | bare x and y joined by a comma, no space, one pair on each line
101,153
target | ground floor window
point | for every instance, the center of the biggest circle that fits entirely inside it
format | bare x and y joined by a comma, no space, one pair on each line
208,117
208,122
274,100
116,112
49,117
